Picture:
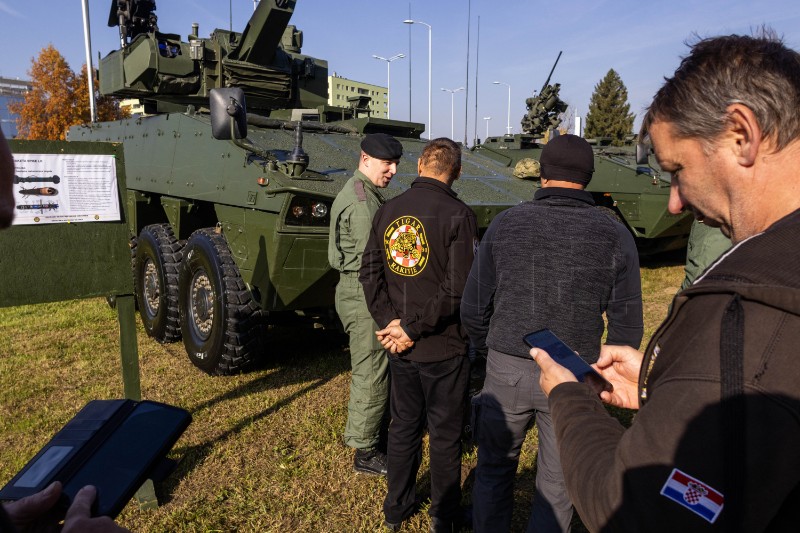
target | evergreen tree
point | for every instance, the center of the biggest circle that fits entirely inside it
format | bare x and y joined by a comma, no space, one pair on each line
59,99
609,111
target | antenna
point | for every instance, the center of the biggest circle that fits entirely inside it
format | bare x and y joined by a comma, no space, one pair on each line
477,59
409,62
466,93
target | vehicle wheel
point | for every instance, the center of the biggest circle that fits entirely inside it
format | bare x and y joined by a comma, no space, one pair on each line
156,265
222,326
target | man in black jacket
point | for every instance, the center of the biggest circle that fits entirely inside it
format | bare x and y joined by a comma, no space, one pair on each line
556,262
413,269
714,444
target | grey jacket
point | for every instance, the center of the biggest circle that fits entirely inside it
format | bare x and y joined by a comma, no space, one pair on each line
556,262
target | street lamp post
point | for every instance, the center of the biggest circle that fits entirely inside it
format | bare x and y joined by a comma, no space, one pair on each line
487,119
452,98
430,31
508,124
388,78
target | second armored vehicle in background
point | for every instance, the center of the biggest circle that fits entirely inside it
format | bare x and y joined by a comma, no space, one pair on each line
638,194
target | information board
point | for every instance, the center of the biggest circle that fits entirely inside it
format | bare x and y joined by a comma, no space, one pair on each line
55,188
60,257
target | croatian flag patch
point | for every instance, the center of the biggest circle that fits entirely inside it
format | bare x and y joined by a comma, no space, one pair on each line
694,495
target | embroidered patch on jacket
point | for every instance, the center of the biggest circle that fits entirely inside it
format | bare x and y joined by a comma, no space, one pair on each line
694,495
406,246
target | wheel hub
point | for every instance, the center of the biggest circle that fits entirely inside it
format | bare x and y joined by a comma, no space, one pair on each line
152,292
202,304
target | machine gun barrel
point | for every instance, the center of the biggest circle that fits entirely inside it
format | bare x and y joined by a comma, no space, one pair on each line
263,33
551,72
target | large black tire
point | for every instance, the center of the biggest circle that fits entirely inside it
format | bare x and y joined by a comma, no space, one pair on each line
156,264
222,326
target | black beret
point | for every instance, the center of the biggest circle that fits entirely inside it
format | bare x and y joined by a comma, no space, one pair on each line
382,146
567,158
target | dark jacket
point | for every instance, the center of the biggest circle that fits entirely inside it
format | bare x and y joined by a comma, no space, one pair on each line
720,403
556,262
415,265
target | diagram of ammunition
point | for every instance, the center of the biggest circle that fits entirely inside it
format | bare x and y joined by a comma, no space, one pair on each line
41,206
34,179
40,191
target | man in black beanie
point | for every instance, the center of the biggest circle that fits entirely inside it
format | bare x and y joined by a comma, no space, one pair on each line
554,262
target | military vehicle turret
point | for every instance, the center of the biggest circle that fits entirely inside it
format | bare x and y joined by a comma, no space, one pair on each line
231,173
638,194
544,110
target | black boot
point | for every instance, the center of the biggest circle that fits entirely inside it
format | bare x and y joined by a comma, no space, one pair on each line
370,462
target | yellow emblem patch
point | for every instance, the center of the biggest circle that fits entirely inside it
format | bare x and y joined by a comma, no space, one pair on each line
406,246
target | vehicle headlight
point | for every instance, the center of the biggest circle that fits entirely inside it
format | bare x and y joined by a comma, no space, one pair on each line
304,211
319,210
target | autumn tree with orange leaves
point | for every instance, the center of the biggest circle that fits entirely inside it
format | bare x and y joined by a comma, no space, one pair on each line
59,99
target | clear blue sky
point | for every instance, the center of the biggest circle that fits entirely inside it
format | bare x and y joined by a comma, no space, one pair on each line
519,41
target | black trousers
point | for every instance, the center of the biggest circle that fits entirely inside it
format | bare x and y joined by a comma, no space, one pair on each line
436,393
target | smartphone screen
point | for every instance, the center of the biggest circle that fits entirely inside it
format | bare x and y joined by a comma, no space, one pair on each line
566,357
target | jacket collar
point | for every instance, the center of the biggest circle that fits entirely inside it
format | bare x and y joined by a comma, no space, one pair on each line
430,183
368,185
760,269
575,194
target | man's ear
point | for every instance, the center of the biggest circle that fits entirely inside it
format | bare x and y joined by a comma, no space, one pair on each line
419,167
744,133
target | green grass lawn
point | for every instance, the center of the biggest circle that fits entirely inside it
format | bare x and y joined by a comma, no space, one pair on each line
264,451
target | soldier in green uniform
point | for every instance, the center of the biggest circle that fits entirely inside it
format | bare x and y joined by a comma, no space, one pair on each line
351,221
706,245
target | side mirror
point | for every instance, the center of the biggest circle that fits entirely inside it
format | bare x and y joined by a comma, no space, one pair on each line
228,114
642,153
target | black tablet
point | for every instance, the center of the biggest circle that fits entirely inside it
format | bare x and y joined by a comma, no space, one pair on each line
114,445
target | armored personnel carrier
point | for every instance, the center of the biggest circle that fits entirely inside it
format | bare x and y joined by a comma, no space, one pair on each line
231,174
637,194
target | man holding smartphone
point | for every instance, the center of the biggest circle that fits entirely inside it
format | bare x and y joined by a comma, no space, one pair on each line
555,262
714,443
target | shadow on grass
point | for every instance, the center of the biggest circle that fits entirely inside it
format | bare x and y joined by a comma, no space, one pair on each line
310,355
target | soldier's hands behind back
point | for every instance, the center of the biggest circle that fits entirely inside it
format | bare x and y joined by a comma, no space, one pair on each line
393,338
